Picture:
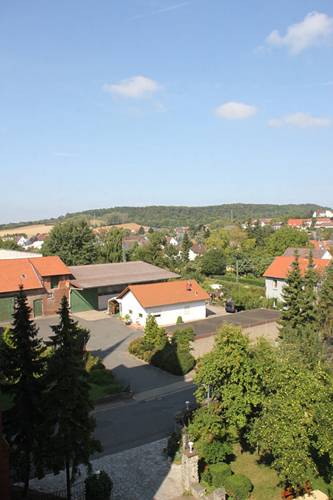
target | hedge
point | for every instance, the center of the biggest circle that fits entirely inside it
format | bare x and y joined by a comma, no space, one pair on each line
238,486
219,474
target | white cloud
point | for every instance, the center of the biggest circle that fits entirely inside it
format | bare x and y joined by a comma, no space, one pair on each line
235,110
300,120
136,86
315,29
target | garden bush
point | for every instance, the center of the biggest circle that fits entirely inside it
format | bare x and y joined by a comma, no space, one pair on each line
216,451
139,348
93,362
98,486
173,360
219,473
238,486
206,476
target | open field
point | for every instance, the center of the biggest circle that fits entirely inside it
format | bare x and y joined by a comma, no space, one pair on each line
28,230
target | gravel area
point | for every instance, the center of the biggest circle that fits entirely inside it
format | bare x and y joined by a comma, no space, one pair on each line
141,473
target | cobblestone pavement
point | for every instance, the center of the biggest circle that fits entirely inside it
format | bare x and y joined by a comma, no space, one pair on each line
141,473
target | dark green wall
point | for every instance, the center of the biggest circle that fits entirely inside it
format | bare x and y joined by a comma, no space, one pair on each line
84,300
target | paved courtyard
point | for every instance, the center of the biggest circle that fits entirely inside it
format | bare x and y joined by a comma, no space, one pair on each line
109,339
141,473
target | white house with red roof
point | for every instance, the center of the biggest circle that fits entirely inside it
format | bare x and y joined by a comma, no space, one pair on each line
277,273
165,301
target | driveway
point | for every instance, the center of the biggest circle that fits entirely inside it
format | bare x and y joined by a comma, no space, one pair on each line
109,339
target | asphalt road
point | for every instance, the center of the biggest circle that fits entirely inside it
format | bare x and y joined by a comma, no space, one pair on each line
125,425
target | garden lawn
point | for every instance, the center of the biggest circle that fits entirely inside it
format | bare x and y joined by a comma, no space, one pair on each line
102,384
263,478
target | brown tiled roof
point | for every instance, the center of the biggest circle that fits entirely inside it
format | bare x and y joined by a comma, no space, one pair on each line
317,253
172,292
281,266
122,273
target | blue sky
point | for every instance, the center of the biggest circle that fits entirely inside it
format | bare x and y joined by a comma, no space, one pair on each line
139,102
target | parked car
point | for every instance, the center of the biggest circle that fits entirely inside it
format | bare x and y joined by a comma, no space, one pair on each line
230,306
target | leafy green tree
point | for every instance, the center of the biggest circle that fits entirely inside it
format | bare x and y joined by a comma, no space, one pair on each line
73,241
326,303
213,262
286,237
70,424
9,244
226,376
23,368
111,248
295,426
141,230
186,246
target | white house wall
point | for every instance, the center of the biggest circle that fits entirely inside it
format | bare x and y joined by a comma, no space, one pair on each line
169,314
274,288
165,315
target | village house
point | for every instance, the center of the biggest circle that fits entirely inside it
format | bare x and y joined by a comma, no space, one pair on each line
45,281
277,273
300,223
197,250
323,212
324,223
319,252
165,301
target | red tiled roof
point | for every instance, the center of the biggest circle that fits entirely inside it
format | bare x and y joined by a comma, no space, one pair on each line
298,222
28,272
281,266
50,266
167,293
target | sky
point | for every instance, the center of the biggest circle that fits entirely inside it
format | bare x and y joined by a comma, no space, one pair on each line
138,102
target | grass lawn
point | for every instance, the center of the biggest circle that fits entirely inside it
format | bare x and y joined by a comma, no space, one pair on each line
102,384
263,478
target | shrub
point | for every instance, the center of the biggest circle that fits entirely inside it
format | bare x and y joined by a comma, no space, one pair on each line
238,486
216,451
206,476
173,360
93,362
141,349
98,486
219,473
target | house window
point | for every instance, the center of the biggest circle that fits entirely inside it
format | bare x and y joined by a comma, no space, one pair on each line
140,315
275,283
50,296
156,315
130,311
54,281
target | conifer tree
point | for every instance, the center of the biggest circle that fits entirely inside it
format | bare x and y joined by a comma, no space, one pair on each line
23,368
186,246
292,297
69,405
326,303
309,305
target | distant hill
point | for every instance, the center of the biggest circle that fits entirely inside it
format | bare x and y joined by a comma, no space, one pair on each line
171,216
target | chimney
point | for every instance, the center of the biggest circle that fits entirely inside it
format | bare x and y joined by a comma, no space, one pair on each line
189,286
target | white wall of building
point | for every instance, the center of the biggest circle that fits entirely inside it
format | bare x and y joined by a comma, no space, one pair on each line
274,288
165,315
16,254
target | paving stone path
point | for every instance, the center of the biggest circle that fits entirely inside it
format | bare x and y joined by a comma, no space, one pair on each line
141,473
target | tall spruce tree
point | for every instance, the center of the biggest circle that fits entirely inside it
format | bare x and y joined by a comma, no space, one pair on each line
293,299
186,246
23,368
68,402
309,297
326,303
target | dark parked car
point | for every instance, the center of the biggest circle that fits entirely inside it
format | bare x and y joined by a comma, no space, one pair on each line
230,306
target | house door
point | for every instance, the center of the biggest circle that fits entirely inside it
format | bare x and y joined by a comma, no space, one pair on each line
38,307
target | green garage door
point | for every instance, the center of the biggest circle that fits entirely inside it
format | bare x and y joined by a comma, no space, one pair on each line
6,308
84,300
38,308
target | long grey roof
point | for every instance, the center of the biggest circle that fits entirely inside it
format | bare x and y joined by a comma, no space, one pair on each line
122,273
